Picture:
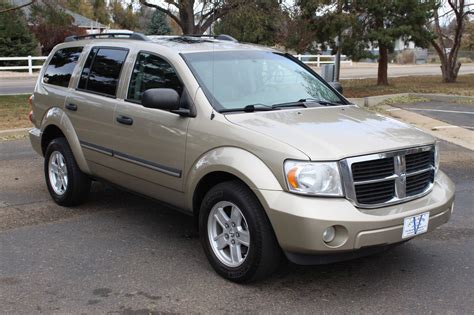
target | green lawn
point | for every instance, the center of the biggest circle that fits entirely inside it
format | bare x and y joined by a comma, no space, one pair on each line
14,111
415,84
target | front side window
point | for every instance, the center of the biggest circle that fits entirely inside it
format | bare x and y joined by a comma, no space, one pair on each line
235,79
61,66
152,72
102,70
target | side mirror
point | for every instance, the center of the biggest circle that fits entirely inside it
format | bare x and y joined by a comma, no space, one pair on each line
166,99
337,86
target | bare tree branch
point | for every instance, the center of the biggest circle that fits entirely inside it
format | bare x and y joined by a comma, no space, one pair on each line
215,15
164,10
18,7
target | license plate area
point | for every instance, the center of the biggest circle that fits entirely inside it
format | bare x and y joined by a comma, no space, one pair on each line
415,225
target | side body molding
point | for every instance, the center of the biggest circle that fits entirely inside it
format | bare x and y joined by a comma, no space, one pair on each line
238,162
57,117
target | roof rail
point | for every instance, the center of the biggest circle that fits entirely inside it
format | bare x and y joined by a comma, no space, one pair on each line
133,36
218,37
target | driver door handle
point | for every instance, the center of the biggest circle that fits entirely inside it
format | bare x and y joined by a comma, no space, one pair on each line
124,120
71,107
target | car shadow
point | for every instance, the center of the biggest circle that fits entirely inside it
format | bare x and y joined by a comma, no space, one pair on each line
158,221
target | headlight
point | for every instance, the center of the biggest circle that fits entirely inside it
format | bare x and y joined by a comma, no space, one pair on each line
313,178
436,156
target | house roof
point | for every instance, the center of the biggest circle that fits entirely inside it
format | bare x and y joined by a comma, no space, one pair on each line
79,20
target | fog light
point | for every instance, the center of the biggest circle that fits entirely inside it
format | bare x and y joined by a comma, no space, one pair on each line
329,234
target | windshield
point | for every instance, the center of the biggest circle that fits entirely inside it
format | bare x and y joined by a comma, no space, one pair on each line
235,79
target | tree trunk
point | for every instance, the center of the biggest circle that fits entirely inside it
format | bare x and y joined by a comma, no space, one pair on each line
450,71
382,74
186,17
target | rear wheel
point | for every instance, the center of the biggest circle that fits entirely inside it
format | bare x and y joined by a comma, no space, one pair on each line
67,184
236,234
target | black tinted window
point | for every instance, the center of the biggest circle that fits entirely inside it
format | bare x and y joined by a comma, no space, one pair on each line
87,68
150,72
61,66
103,75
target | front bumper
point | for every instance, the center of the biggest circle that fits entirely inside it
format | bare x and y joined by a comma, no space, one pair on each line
298,221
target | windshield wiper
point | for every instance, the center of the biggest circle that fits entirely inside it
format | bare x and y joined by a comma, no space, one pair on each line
320,102
250,108
289,104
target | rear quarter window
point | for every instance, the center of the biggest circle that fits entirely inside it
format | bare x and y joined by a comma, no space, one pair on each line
61,66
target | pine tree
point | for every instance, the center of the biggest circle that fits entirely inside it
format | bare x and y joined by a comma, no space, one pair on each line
364,23
15,38
158,24
258,22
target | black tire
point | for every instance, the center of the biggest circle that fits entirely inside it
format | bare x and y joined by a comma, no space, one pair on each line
264,254
78,185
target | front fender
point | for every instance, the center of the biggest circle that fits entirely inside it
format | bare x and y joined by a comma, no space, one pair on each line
57,117
238,162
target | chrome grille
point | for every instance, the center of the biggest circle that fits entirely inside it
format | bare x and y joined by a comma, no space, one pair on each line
381,179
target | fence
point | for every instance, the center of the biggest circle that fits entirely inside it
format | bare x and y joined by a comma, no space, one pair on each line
29,59
322,59
308,59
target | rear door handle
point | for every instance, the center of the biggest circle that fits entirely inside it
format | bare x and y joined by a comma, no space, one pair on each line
125,120
71,107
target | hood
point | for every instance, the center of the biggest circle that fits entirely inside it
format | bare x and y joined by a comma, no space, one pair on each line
333,133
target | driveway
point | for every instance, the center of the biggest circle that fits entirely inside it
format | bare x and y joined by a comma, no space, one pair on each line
124,254
455,114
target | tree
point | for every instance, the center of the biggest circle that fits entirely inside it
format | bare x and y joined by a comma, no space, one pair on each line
448,53
467,41
259,22
158,24
15,38
51,24
366,23
195,16
100,11
13,8
82,7
123,17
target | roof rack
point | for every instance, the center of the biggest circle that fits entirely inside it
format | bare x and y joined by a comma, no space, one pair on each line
218,37
133,36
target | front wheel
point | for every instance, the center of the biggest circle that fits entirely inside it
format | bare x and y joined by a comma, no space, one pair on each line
67,184
236,234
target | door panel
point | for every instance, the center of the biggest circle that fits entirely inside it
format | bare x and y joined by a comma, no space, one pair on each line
153,147
150,143
93,122
91,106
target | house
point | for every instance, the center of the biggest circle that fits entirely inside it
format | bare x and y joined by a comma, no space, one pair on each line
81,21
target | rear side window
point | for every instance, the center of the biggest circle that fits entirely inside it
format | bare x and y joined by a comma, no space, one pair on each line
61,66
151,72
102,69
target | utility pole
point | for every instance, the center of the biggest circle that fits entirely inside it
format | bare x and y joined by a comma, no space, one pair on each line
337,61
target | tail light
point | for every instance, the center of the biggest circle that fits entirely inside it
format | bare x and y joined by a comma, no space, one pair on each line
30,115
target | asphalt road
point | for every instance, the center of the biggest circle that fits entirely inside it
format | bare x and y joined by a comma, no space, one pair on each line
120,253
17,85
25,84
456,114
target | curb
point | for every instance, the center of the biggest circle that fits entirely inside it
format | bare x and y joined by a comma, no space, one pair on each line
376,100
454,134
14,132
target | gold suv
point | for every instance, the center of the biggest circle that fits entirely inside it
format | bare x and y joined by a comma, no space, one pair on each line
271,160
